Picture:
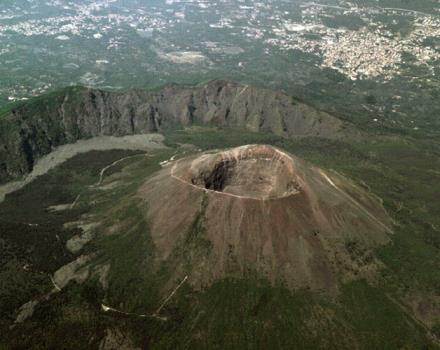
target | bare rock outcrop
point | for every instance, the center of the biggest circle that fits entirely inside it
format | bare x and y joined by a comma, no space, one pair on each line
31,130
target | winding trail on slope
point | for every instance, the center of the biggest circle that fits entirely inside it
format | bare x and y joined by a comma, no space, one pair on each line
355,203
27,309
144,142
103,170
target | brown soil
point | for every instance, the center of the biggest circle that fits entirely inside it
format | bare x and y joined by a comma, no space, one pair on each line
262,211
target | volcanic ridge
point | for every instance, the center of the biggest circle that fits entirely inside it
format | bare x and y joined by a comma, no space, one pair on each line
255,210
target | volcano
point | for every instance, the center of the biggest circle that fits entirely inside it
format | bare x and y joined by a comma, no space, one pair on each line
255,210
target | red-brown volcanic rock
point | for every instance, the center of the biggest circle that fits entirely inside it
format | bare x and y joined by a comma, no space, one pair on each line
257,210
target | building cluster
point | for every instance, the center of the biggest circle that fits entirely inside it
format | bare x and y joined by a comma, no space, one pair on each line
372,47
372,51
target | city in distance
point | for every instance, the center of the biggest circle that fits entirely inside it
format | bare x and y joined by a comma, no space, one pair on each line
226,174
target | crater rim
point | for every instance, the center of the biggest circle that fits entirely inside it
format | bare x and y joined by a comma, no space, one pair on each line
259,172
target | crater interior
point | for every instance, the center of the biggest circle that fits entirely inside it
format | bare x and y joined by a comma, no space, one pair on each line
254,171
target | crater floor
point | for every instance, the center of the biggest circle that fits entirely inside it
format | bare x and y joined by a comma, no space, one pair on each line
253,171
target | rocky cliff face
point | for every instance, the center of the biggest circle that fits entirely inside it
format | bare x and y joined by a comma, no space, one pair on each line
32,130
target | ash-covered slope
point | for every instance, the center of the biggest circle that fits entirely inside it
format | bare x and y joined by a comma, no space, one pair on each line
33,129
262,212
201,259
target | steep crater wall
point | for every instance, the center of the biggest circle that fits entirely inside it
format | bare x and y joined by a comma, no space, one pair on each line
34,129
257,171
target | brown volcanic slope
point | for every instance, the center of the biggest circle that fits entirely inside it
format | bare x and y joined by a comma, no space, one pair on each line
257,210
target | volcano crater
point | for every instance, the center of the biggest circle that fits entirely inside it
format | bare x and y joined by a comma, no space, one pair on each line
253,171
256,208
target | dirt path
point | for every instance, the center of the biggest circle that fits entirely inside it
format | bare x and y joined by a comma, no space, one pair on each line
106,308
103,170
156,315
102,143
170,296
355,203
414,318
75,201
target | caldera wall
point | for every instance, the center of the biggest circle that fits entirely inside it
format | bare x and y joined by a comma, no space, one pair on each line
33,129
